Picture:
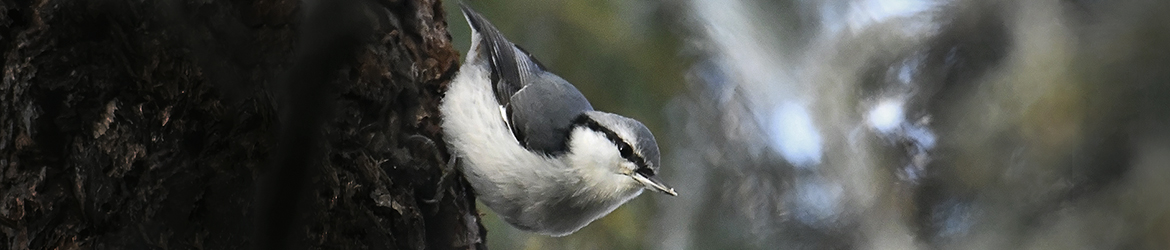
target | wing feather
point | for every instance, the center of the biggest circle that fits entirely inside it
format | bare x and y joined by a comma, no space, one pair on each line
538,106
511,67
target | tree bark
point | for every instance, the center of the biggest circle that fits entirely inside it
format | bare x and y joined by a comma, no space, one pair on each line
227,124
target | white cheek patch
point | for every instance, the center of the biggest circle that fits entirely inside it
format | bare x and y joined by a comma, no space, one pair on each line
592,149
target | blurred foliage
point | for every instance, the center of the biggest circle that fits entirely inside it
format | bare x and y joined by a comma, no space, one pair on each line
1031,124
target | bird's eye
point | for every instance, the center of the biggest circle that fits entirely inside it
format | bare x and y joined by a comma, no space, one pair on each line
625,150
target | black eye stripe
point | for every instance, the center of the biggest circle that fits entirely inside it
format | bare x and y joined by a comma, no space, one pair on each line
627,152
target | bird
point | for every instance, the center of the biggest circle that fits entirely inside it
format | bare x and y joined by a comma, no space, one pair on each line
531,145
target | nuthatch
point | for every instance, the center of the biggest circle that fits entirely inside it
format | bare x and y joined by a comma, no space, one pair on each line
532,146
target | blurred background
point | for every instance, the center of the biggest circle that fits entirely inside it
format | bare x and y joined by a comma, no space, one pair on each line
870,124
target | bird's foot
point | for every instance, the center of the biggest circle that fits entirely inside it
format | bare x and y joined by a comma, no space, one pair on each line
446,169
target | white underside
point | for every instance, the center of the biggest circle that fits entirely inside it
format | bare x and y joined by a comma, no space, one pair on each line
486,147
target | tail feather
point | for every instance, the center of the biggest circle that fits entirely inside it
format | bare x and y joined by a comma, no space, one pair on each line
509,64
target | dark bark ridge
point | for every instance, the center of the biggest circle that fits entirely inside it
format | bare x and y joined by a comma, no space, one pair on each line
147,124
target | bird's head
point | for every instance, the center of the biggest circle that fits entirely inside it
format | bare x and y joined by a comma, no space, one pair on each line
623,148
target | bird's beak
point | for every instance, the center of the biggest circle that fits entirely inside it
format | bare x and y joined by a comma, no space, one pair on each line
653,183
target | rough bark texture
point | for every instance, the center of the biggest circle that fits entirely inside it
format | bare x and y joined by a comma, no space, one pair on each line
150,124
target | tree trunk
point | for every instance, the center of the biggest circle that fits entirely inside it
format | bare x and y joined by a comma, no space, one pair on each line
219,124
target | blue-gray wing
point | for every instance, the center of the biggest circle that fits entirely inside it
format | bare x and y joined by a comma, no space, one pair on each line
540,105
542,113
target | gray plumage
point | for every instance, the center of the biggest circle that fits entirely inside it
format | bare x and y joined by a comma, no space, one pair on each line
541,106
